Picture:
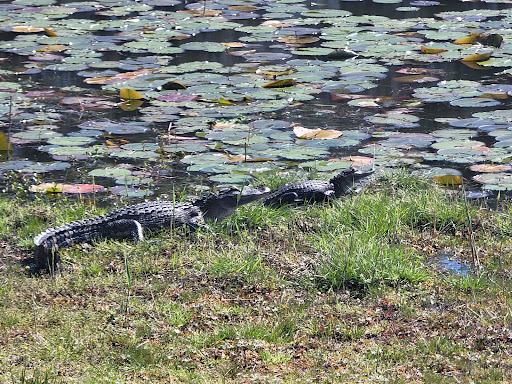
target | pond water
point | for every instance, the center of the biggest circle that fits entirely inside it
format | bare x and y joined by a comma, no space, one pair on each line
447,263
232,89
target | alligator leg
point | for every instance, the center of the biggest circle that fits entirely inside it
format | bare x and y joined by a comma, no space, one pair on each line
285,198
44,258
122,229
329,194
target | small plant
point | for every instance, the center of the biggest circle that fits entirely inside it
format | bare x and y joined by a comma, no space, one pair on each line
274,357
37,378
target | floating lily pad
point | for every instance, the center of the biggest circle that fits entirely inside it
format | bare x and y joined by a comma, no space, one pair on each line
270,124
325,166
213,168
27,166
449,91
70,140
294,152
115,173
133,180
395,119
456,134
490,168
451,143
495,181
231,178
473,122
203,158
205,46
501,115
450,180
68,150
318,51
35,135
130,192
474,102
126,128
136,155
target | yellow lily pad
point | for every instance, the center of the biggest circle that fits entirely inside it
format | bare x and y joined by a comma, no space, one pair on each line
129,94
50,32
280,83
478,57
450,180
4,143
432,51
131,105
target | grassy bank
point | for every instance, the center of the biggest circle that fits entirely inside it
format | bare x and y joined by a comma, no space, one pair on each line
354,291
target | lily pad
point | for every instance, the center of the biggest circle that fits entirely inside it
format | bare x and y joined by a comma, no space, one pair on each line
231,178
36,135
70,140
130,192
401,120
495,181
325,166
112,172
490,168
205,46
474,102
27,166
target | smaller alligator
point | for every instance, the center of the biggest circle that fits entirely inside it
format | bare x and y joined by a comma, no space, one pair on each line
316,190
131,221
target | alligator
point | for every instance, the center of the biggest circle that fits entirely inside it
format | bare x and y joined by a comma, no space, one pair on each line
316,190
131,221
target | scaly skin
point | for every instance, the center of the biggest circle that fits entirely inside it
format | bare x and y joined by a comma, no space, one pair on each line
316,190
131,221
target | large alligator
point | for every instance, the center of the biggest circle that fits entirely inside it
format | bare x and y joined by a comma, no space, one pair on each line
131,221
316,190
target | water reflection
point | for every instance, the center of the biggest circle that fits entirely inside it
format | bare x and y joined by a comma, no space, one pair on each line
448,263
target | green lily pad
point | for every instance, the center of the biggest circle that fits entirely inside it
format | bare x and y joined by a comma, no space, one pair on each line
473,122
326,13
295,152
231,178
312,51
35,135
495,181
27,166
136,155
112,172
205,46
130,192
451,143
474,102
401,120
325,166
133,180
68,150
70,140
213,168
203,158
456,134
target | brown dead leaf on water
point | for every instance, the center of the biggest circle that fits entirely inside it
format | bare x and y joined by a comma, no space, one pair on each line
241,158
318,133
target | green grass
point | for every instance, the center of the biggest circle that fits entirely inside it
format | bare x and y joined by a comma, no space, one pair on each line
341,292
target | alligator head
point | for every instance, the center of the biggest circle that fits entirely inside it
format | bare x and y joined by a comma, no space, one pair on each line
218,205
346,179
